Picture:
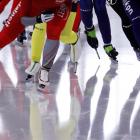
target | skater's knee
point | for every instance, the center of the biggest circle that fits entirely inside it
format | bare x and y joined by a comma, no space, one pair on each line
41,26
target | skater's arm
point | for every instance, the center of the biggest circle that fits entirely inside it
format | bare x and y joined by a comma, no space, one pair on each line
3,3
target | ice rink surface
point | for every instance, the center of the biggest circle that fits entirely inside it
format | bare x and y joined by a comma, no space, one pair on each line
100,101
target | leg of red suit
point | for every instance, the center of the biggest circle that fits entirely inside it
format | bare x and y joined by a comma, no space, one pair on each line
55,26
77,20
13,26
15,2
3,3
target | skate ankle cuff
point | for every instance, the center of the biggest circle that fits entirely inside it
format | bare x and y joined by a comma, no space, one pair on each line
44,68
90,29
108,48
91,33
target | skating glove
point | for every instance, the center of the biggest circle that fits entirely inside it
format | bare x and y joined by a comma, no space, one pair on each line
111,51
91,37
45,17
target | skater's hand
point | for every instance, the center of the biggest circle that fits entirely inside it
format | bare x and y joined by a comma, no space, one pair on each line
45,17
91,37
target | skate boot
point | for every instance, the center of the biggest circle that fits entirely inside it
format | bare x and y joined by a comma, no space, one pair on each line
75,53
91,38
21,38
32,70
137,51
74,56
111,52
43,78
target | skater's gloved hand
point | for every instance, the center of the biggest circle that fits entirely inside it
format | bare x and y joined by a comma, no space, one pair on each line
91,37
45,17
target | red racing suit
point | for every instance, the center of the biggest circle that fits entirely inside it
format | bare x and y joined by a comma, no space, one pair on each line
29,8
3,3
77,20
15,2
55,26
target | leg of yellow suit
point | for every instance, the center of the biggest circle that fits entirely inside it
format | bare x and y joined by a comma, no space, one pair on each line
38,40
67,35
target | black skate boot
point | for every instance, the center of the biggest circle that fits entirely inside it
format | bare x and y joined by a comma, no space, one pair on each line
32,70
21,38
111,52
91,38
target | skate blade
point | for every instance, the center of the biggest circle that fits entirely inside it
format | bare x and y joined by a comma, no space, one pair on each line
32,78
17,43
29,77
72,67
114,60
43,88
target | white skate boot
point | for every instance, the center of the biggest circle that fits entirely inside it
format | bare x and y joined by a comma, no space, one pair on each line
73,58
32,70
75,52
43,78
